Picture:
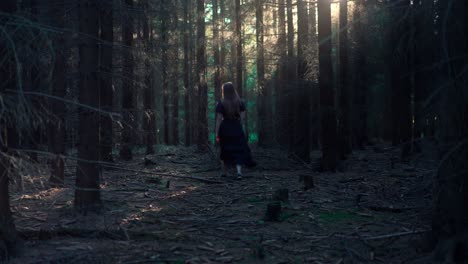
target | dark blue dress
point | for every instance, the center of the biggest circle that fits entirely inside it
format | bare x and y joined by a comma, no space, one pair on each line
234,148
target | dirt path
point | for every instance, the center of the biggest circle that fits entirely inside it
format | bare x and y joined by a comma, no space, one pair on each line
376,211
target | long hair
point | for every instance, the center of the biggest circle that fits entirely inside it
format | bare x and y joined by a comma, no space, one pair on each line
231,101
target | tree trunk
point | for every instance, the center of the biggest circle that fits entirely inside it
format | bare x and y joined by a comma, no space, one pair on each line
33,135
87,192
274,17
400,79
281,107
238,41
262,99
450,208
289,9
246,98
301,141
327,98
222,24
148,100
360,82
128,84
195,100
202,133
232,40
9,241
186,70
315,100
291,80
106,17
57,123
388,89
449,234
216,55
164,68
175,76
344,128
8,235
425,55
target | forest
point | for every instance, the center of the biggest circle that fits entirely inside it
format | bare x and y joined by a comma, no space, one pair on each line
356,114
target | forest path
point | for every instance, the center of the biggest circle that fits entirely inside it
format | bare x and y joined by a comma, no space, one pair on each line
373,212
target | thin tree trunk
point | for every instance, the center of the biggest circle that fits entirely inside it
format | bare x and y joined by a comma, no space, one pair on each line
164,68
327,98
275,17
216,55
8,235
401,82
360,82
175,75
281,113
186,69
202,137
233,42
128,84
388,93
9,241
261,97
246,99
282,29
315,100
291,80
195,100
301,141
289,9
106,17
344,129
87,192
57,123
424,56
35,75
238,41
148,100
222,57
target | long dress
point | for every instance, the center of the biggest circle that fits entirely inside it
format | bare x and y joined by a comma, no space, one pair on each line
233,143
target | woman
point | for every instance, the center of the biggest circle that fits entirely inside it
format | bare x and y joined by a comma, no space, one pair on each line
230,115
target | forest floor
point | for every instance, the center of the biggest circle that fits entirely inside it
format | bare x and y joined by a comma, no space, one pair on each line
376,211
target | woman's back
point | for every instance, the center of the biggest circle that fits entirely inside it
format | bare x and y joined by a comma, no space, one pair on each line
230,110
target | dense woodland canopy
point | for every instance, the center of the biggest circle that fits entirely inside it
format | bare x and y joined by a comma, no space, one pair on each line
98,81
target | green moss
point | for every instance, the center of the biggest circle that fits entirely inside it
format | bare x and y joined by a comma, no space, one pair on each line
253,137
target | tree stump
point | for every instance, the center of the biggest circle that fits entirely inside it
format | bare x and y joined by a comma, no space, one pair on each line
308,181
273,211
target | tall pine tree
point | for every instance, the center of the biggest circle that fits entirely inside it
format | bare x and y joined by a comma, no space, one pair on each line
327,97
87,189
